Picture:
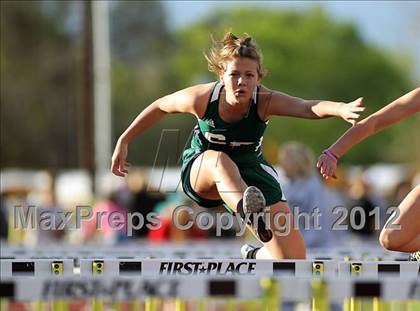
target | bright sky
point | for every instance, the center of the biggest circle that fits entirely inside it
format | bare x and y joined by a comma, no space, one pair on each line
393,25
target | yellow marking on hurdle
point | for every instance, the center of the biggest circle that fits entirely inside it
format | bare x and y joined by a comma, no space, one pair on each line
318,268
320,296
98,267
356,268
57,267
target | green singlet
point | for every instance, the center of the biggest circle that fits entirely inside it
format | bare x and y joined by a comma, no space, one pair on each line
241,141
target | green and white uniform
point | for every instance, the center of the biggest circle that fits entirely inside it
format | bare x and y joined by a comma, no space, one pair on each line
241,141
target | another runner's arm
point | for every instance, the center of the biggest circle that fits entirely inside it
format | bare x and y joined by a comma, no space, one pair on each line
392,113
184,101
281,104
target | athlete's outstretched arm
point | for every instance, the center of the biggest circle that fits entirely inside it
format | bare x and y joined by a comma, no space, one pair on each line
184,101
281,104
392,113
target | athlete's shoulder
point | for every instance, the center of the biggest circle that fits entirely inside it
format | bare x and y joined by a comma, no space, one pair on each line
264,98
201,94
189,100
199,90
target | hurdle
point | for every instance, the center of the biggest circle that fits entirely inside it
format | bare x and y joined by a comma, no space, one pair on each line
100,279
209,267
36,267
271,291
210,249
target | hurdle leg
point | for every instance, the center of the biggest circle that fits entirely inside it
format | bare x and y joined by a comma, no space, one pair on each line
180,304
352,304
271,300
150,304
320,301
59,305
377,304
97,304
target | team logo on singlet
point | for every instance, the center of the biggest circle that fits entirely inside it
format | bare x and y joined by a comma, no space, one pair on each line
220,139
210,123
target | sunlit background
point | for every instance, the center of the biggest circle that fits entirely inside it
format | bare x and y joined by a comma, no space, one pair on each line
74,74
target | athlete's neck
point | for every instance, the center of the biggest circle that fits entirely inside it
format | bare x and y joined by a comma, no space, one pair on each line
233,105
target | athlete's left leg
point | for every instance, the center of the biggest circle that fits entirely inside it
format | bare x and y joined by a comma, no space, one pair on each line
407,238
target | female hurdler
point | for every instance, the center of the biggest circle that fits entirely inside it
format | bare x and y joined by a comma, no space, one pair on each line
224,164
406,238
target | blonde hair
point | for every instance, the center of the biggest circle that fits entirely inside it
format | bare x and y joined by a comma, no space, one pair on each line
300,156
232,46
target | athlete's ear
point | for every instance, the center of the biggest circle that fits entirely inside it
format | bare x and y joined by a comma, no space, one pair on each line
221,80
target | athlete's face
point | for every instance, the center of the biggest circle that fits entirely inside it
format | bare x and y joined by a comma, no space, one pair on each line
240,79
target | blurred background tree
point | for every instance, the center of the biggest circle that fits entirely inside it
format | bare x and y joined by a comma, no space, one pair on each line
307,54
39,64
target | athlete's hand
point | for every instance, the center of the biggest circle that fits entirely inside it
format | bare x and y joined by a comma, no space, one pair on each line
351,111
326,166
119,163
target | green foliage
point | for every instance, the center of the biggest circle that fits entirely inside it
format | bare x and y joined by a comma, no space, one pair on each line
38,118
308,55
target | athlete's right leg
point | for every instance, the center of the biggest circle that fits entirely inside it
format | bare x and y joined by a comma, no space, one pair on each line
287,242
215,176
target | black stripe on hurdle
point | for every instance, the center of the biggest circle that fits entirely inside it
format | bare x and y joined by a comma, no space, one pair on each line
281,267
130,266
221,288
388,268
7,289
367,289
27,268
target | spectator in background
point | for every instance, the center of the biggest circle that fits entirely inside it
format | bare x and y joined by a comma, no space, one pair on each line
104,232
305,191
363,195
142,200
168,231
47,208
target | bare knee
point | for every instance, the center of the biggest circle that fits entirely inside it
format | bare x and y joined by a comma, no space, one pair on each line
389,239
